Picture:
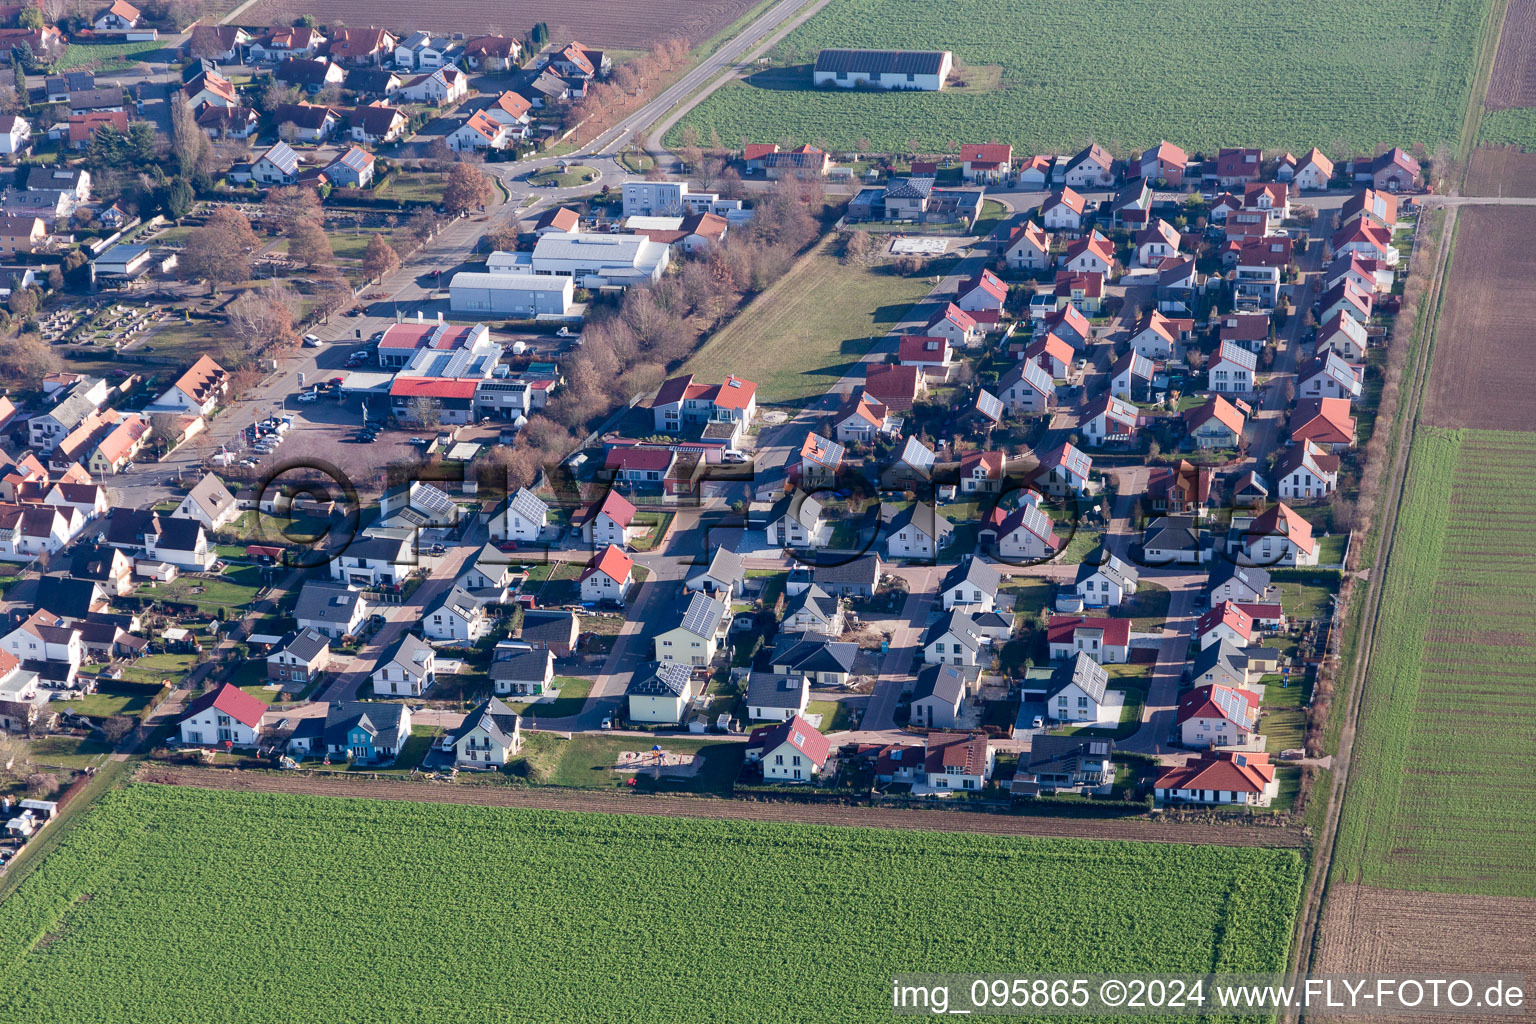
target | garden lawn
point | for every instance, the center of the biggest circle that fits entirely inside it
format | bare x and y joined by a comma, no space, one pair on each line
407,186
156,875
234,591
809,328
573,694
1444,733
586,762
113,56
1160,70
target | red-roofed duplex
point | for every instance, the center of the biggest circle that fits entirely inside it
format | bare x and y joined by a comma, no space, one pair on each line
681,402
991,162
227,716
640,465
1107,641
1227,621
1226,777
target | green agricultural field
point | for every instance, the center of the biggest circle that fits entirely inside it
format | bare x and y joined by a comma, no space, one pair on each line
1444,737
1514,127
810,327
1126,73
171,905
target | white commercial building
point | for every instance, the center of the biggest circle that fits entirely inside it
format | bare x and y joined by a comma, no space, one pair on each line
594,260
672,199
511,294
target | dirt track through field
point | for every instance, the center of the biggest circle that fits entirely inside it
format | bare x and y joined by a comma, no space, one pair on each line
1390,932
737,810
1484,361
628,25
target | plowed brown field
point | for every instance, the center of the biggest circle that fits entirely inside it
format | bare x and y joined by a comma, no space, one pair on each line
1389,932
1501,171
1484,360
686,807
1513,82
615,24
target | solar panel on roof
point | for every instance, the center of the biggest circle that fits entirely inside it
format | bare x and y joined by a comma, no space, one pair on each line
989,405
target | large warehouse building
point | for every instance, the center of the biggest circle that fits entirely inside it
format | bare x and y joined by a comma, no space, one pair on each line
511,294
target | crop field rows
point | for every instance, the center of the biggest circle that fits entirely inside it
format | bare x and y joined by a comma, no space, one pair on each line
1184,71
1484,360
1513,82
155,907
1446,725
1501,171
1387,932
630,25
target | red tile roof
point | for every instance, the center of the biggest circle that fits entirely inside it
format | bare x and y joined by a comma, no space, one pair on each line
987,282
1061,629
1218,409
922,348
1049,345
1325,421
894,386
232,701
968,753
1217,701
431,387
1224,772
1227,613
798,733
1067,197
986,153
1281,520
635,457
611,562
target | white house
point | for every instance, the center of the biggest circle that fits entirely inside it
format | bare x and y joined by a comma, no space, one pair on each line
1091,168
443,87
918,531
1105,640
210,503
1078,691
1027,534
1063,210
1029,248
1027,388
791,751
1154,336
15,134
1276,536
1343,334
407,668
1220,778
456,616
489,736
1314,172
1217,716
227,716
279,165
953,640
607,576
1306,472
523,518
1108,419
1105,581
609,524
371,561
796,521
971,585
963,763
1233,371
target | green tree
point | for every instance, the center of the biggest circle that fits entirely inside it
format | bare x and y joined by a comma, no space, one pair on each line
178,199
31,17
142,142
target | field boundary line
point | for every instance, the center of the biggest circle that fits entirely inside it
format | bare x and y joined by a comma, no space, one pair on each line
1482,77
602,802
1310,918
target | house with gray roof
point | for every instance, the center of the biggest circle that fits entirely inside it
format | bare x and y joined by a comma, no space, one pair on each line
971,585
1104,580
456,616
489,737
857,578
815,656
916,531
795,521
953,640
523,672
209,502
333,610
1175,540
488,575
523,518
366,733
920,70
775,697
552,629
301,657
724,577
1078,690
1242,584
1064,763
939,693
660,697
814,610
407,668
696,638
